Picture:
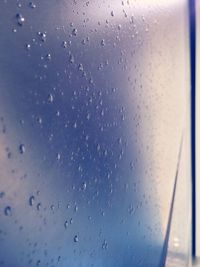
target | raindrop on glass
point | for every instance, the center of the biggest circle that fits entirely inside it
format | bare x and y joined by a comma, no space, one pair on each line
32,5
71,59
42,36
28,46
76,208
64,44
80,67
83,186
103,42
48,57
58,156
88,116
7,211
75,238
22,149
52,207
39,120
20,19
104,245
39,205
75,125
66,224
50,98
31,200
74,32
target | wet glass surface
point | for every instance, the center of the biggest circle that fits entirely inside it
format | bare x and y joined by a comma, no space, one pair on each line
93,116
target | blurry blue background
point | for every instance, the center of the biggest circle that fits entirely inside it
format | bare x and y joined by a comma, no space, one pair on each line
91,124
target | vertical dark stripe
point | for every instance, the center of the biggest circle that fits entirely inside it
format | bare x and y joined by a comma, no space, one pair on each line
192,19
169,222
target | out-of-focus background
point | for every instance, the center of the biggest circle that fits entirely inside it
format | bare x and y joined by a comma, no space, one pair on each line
94,108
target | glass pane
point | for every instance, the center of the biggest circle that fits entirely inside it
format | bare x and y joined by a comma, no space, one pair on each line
94,120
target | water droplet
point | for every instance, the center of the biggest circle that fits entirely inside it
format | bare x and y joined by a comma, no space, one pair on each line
105,152
98,147
112,13
76,208
103,213
21,121
39,120
119,140
88,116
83,186
31,200
58,156
104,244
32,5
75,238
52,207
22,149
48,57
66,224
131,165
71,59
83,41
122,117
119,27
50,98
80,169
91,81
28,46
64,44
74,32
42,36
80,67
75,125
130,209
20,19
103,42
7,211
39,205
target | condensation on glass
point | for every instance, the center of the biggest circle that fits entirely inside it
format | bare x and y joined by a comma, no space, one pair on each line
94,130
